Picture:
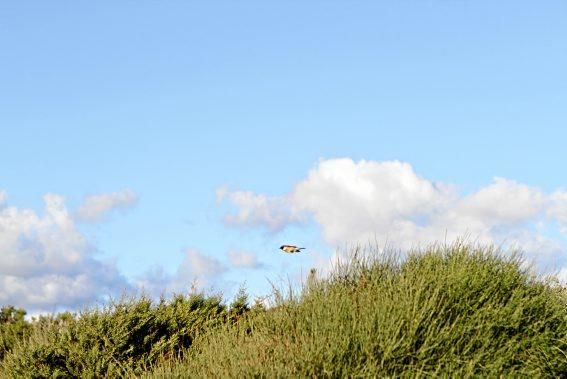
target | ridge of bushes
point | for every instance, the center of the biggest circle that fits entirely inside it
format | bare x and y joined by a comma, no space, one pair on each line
457,310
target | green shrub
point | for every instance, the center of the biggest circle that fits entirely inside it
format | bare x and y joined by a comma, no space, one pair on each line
13,328
124,337
456,311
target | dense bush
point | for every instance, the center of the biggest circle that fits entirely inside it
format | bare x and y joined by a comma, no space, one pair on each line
123,338
13,328
458,311
453,311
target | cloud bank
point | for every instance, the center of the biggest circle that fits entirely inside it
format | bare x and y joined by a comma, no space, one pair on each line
46,264
274,213
388,201
196,271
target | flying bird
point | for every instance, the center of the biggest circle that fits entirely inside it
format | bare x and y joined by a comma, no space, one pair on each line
291,248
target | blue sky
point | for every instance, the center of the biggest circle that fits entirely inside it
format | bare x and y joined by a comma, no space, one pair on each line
155,118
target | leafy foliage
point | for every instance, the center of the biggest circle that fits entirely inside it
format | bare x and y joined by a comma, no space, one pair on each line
454,311
13,328
459,311
123,338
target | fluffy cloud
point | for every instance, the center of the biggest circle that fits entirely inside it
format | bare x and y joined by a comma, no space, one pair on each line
253,210
243,259
366,200
196,270
353,201
558,209
45,263
96,207
199,266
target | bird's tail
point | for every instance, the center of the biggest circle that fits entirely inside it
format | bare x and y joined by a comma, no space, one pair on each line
300,248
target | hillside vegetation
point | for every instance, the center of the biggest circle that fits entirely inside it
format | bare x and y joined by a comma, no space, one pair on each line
457,311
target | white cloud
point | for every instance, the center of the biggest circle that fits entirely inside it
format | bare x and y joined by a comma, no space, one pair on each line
243,259
199,265
558,209
387,201
259,210
503,201
562,276
96,207
3,197
46,263
353,201
196,270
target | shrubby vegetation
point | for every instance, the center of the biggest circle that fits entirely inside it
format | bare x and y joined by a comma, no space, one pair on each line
13,328
457,311
123,338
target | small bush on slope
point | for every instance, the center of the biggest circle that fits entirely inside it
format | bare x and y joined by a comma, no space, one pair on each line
122,338
460,311
13,328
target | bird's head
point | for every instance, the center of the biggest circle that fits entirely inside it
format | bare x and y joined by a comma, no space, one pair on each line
281,247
